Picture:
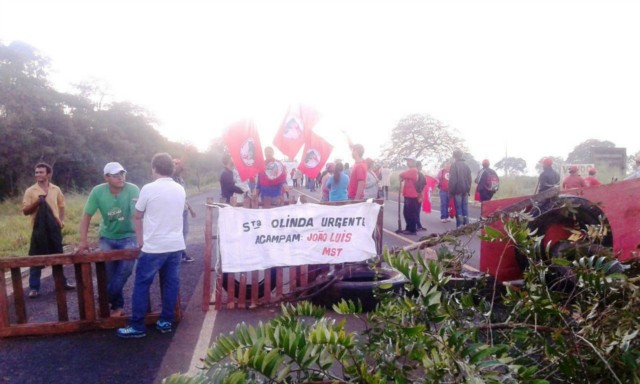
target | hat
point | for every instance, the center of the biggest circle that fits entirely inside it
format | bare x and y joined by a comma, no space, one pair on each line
113,168
485,162
592,171
573,169
547,161
331,167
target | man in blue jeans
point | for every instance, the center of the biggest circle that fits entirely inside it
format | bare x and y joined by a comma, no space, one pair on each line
459,187
158,224
115,199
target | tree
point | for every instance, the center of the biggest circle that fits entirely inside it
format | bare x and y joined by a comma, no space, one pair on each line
512,165
581,154
422,137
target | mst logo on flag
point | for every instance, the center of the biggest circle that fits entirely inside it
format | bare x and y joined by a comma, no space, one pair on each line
315,155
243,143
296,127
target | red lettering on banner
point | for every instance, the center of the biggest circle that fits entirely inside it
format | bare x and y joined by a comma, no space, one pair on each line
326,251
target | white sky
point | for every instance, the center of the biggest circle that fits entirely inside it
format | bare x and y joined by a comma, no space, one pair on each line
534,78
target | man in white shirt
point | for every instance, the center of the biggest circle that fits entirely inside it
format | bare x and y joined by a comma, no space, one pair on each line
158,224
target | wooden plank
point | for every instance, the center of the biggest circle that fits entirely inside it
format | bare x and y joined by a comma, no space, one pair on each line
4,302
255,286
61,296
279,283
218,292
18,296
293,278
242,291
304,275
84,285
267,286
231,290
103,294
208,255
67,259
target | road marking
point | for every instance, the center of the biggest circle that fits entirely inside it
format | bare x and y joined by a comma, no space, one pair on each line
200,351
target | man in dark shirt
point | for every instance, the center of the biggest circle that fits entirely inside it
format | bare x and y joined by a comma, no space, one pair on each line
459,187
549,178
227,184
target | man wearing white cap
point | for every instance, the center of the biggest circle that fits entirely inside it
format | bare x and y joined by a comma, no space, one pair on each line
115,199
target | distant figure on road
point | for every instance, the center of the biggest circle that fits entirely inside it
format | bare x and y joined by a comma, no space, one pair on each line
411,208
459,187
328,173
385,180
158,223
227,183
443,188
116,200
337,184
273,180
44,201
420,185
574,180
591,180
549,178
177,177
486,182
358,174
372,182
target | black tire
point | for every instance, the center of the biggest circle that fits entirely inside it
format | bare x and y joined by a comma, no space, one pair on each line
358,284
587,214
249,287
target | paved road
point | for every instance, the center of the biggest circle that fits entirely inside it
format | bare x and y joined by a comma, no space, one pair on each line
101,357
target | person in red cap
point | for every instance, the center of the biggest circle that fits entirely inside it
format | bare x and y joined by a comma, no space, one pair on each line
549,178
591,180
486,182
574,180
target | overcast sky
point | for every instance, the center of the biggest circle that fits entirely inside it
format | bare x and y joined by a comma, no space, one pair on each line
526,78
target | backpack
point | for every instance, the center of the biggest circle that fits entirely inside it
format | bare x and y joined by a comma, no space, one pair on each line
420,183
492,182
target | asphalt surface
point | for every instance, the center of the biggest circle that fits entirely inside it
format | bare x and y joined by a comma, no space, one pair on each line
102,357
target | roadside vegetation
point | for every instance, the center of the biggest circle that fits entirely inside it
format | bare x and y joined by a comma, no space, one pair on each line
582,328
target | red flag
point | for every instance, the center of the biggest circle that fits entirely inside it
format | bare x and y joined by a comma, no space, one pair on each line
243,143
295,129
315,155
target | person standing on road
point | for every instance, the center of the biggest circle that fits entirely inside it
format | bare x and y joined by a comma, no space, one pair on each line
372,182
158,224
272,180
549,178
408,180
443,188
483,181
227,183
636,173
459,187
358,174
115,199
44,202
591,180
385,180
327,174
177,177
337,184
420,184
574,180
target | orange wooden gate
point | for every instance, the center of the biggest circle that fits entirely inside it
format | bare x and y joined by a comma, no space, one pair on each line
89,315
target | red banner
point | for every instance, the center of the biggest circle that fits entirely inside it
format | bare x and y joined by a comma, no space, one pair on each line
295,129
315,155
243,143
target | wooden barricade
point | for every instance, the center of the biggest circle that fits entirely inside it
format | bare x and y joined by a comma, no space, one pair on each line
92,314
253,288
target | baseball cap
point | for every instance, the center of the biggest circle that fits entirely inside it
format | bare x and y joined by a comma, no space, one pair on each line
113,168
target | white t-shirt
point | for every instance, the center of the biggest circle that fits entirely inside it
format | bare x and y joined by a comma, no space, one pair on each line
385,177
162,202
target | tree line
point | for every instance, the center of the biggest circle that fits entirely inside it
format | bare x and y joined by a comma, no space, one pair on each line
77,133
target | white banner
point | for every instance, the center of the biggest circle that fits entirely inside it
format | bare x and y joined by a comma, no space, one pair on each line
255,239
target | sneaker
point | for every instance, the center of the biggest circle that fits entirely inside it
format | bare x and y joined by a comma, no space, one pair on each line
163,326
69,286
421,229
187,259
33,294
443,220
129,332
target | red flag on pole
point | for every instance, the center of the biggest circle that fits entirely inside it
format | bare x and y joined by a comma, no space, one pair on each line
243,143
315,155
295,129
